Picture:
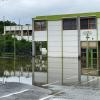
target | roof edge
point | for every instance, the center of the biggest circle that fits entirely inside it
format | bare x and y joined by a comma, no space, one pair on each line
61,16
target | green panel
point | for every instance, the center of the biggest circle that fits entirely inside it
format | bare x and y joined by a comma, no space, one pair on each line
91,58
58,17
87,58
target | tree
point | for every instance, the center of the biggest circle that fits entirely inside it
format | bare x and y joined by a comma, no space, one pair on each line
23,47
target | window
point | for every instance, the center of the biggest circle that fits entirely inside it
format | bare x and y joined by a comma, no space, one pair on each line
30,32
88,23
40,25
69,24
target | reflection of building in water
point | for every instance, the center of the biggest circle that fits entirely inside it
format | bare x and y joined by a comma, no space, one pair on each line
66,38
21,31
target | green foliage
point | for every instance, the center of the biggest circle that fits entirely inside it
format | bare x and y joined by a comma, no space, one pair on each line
24,47
14,54
9,45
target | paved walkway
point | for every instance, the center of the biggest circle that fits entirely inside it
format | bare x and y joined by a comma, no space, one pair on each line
87,90
18,91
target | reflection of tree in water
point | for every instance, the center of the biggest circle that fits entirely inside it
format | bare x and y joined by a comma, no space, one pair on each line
22,64
41,65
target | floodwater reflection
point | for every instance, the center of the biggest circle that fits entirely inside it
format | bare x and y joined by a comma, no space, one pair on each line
47,70
19,67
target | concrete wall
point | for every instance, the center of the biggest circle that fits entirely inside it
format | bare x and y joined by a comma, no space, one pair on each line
98,23
14,28
61,43
70,43
70,54
54,38
20,28
40,35
54,51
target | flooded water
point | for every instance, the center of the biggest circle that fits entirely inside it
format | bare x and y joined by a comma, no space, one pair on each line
16,70
46,70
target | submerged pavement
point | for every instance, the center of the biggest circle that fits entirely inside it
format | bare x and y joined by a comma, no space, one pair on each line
18,91
87,90
76,93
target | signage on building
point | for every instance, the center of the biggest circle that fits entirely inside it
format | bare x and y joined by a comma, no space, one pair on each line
87,33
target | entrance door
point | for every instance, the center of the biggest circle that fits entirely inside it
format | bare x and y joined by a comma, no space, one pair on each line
89,58
92,58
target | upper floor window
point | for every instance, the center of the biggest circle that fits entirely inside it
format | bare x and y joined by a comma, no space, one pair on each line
39,25
69,24
88,23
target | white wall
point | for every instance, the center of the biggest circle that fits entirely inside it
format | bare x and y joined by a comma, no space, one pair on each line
40,77
70,43
27,27
98,23
27,38
70,54
54,70
54,38
70,70
21,27
12,28
40,35
54,51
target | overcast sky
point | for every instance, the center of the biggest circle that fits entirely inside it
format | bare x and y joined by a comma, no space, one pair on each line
26,9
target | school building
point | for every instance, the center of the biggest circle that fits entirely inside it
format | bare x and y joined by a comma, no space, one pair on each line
66,47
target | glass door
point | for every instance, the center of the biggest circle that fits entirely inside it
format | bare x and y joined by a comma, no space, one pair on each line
89,60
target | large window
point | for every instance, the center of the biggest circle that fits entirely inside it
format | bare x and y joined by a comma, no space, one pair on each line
88,23
40,25
69,24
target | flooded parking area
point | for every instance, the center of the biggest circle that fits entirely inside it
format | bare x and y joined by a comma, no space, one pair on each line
77,93
16,70
86,90
19,91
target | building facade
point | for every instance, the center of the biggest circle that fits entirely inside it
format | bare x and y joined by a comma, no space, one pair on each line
71,43
21,31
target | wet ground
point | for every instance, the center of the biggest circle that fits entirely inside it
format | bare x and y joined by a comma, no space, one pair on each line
18,91
86,90
76,93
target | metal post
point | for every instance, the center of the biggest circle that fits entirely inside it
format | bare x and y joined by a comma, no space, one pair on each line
87,56
40,55
33,52
62,54
91,58
87,52
28,32
79,50
98,67
14,52
4,49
